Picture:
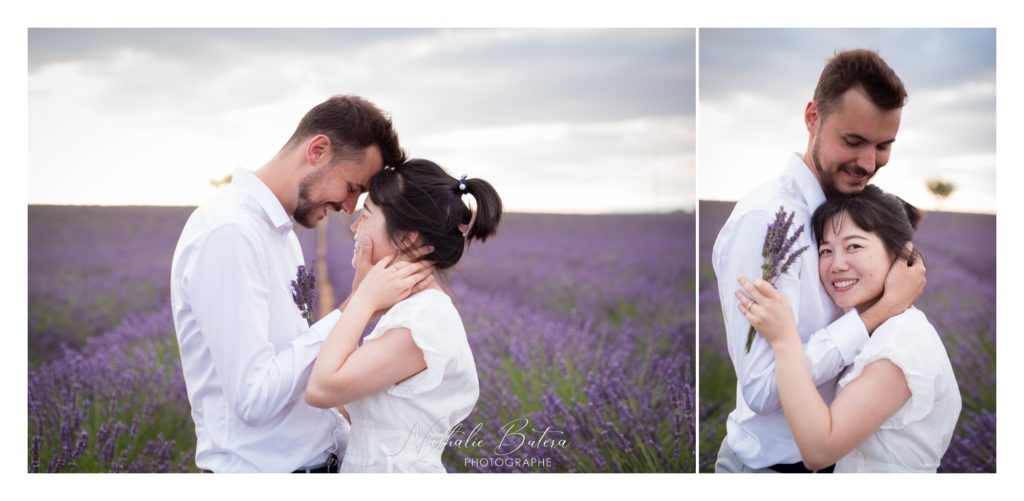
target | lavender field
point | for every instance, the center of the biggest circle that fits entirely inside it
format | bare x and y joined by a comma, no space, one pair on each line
582,325
959,300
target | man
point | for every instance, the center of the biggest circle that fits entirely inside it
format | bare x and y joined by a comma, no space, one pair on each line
246,351
852,123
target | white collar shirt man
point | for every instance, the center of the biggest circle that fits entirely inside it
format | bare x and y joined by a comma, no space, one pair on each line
757,431
246,351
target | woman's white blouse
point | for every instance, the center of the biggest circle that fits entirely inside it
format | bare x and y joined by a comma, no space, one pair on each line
915,438
404,428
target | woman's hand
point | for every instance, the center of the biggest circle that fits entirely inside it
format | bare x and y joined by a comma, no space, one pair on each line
766,310
362,261
386,284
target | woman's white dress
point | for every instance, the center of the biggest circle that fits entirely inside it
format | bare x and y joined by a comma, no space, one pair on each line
403,428
916,437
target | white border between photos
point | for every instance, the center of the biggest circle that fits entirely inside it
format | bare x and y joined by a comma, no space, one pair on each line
532,13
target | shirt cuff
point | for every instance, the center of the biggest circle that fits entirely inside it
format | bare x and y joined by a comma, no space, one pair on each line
322,328
849,334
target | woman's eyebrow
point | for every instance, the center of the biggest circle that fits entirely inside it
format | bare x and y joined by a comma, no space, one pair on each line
824,241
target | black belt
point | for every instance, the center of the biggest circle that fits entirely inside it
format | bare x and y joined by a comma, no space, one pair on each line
798,468
331,466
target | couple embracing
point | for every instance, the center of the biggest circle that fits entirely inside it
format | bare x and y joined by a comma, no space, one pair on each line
269,391
845,374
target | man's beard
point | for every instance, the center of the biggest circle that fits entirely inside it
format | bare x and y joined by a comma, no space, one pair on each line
827,181
306,206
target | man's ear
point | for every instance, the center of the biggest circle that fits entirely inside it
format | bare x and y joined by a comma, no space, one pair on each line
811,117
318,150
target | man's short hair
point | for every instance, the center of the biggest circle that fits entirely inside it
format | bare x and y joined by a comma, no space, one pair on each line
353,124
858,67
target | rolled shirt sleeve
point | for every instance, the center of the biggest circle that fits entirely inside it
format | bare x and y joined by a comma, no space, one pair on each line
828,350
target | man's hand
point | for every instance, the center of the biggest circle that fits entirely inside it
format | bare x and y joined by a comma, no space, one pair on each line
903,286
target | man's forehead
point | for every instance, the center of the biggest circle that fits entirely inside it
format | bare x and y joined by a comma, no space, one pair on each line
371,164
358,171
856,104
861,117
373,159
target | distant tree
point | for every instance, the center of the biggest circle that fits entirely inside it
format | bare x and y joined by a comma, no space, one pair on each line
941,189
217,183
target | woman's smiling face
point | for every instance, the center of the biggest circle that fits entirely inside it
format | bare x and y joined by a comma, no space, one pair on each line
370,223
852,264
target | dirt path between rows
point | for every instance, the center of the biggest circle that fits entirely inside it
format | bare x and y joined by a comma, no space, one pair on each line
325,291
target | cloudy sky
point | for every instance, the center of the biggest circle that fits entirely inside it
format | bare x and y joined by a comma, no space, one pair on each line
754,84
558,120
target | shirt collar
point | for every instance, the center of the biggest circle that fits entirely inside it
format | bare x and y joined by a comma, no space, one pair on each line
247,181
809,186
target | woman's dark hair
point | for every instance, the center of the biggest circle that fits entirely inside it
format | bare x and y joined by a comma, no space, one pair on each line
420,196
874,211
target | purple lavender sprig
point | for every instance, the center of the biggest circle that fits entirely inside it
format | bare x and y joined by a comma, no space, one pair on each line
304,291
778,252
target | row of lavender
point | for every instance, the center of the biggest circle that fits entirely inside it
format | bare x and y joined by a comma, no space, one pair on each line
583,330
959,300
105,390
573,331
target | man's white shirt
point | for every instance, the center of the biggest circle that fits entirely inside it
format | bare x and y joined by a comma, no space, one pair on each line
246,351
757,430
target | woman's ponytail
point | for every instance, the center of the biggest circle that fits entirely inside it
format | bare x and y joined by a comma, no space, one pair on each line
487,212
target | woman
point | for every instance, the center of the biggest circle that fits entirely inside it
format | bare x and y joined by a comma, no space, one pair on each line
414,376
897,405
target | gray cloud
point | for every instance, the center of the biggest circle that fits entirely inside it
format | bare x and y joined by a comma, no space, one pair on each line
618,103
755,83
629,72
187,72
788,61
464,78
210,48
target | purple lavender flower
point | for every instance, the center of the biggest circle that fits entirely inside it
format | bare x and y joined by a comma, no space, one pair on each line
553,342
304,292
102,349
778,252
34,464
608,366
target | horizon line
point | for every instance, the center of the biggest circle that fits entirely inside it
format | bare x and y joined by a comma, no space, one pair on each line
953,210
542,212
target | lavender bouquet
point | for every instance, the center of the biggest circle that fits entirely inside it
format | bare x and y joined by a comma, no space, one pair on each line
304,292
778,252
